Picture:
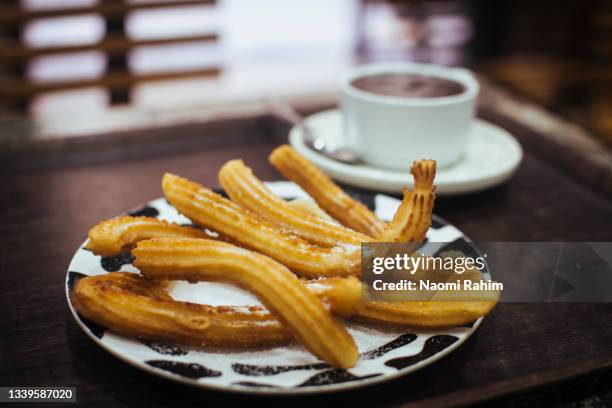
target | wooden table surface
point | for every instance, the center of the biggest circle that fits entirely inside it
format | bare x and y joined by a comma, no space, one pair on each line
47,208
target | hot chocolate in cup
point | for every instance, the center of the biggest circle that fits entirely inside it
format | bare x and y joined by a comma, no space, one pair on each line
395,113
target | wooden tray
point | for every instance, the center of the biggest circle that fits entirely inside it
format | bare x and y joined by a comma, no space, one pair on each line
54,191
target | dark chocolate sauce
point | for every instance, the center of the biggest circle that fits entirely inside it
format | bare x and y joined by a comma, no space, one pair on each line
408,85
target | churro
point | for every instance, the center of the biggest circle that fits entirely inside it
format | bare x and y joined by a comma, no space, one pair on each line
331,198
442,308
342,294
310,206
117,235
430,314
209,209
246,190
136,306
413,217
283,294
274,239
410,224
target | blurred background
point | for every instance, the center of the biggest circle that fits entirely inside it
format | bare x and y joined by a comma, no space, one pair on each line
85,66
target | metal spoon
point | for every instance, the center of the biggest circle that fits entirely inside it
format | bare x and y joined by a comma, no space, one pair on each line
284,111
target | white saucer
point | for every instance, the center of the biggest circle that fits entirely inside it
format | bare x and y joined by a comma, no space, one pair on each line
491,157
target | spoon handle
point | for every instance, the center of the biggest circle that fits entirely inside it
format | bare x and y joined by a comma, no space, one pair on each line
285,111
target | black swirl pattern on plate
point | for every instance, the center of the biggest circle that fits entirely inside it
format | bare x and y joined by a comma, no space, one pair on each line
464,245
146,211
365,197
268,370
460,244
422,244
94,328
398,342
189,370
114,263
73,278
254,384
334,376
432,346
436,223
167,349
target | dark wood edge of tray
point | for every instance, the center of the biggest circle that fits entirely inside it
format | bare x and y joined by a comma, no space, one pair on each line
530,382
178,135
567,146
564,144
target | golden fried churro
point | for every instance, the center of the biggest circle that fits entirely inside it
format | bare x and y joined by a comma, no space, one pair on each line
111,237
209,209
413,217
276,287
248,191
325,192
444,308
310,206
410,224
342,294
430,314
136,306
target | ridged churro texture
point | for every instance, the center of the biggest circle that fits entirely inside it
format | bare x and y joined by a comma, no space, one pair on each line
413,217
248,191
287,298
310,206
331,198
111,237
342,295
428,315
136,306
410,224
209,209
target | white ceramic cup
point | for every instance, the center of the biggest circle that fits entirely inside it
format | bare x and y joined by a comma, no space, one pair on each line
393,131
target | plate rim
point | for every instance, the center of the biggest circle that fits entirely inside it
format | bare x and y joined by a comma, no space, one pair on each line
265,391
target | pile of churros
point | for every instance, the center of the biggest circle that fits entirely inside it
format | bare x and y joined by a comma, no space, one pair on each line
300,259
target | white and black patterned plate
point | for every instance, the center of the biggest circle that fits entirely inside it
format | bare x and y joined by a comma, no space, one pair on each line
385,354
